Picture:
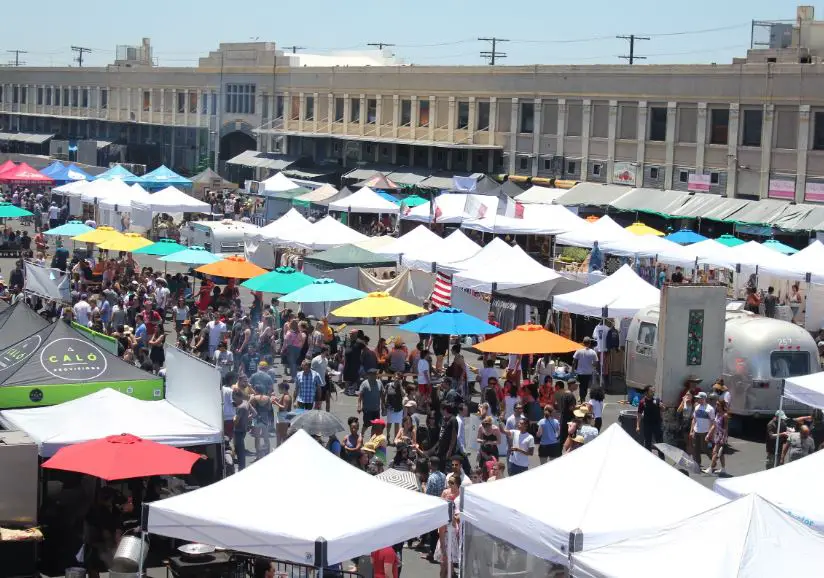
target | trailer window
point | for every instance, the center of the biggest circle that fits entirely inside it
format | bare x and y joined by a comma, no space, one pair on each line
785,364
646,333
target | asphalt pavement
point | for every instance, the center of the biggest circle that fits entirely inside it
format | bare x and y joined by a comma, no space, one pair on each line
745,456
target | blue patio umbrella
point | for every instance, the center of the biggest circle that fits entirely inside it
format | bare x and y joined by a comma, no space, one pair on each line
685,237
70,229
780,247
323,291
449,321
192,256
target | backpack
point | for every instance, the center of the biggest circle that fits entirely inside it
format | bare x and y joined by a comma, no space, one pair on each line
394,396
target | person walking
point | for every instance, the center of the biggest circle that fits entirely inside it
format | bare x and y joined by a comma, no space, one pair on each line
717,436
549,436
649,416
585,364
702,418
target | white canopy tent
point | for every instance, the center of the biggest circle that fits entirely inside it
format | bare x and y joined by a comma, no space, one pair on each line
451,208
72,189
603,230
539,195
642,246
108,412
806,389
521,270
172,200
794,487
287,228
279,183
365,200
325,234
375,243
750,538
687,255
537,220
754,256
493,255
604,470
287,529
621,294
810,260
455,247
121,204
419,238
98,190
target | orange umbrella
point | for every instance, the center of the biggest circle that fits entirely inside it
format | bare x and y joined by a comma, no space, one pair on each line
233,267
526,339
592,219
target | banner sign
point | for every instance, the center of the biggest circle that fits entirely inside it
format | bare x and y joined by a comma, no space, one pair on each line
698,183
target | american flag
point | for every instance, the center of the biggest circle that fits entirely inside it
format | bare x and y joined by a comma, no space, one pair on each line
442,292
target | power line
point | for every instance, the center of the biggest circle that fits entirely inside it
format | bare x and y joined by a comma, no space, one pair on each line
493,54
294,48
80,52
380,45
631,58
17,53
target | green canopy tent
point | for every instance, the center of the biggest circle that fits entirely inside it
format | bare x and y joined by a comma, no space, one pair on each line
730,241
349,256
56,363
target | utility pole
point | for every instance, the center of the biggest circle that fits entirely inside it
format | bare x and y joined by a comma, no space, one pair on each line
631,58
380,45
17,53
493,54
80,52
294,49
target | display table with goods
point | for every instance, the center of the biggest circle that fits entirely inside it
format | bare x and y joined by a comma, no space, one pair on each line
19,551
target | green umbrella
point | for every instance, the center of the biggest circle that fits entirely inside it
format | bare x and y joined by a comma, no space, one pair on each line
413,201
282,280
162,248
730,241
9,211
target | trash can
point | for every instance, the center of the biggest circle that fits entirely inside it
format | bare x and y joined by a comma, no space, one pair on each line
628,419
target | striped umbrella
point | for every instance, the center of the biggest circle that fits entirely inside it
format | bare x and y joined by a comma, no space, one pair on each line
400,478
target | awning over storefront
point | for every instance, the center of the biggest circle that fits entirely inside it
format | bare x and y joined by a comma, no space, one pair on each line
25,137
592,194
651,201
258,159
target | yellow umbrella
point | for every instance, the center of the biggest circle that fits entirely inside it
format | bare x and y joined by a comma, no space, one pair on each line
378,304
641,229
98,235
128,242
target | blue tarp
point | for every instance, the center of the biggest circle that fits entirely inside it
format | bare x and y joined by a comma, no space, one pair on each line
390,198
118,172
67,174
163,177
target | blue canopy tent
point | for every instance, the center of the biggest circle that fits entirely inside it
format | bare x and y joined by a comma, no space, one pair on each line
67,174
163,177
685,237
118,172
55,167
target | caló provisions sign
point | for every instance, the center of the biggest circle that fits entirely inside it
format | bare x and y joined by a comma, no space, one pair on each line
73,359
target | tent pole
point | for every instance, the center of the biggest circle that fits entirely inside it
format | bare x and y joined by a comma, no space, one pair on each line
320,556
144,524
778,429
449,531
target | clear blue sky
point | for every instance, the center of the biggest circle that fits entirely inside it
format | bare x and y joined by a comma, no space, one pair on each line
425,31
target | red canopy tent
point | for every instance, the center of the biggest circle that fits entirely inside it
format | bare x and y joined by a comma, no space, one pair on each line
7,166
23,173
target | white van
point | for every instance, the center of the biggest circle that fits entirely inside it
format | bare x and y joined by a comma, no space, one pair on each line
219,237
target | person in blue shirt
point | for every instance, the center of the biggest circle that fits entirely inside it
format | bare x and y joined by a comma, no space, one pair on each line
549,434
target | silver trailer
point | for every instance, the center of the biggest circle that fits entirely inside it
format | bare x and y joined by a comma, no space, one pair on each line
219,237
759,352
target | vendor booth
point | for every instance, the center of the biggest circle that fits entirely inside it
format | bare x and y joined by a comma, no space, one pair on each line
621,294
326,533
507,516
327,233
418,239
163,177
603,230
455,247
365,200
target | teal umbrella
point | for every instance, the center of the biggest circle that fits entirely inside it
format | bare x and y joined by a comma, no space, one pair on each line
730,241
191,256
780,247
280,281
9,211
70,229
413,201
322,291
162,248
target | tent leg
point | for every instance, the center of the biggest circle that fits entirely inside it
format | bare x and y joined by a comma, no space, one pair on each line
601,356
778,429
144,524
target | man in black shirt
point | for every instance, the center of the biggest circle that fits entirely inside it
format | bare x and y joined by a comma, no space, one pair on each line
678,276
565,404
649,415
448,438
770,303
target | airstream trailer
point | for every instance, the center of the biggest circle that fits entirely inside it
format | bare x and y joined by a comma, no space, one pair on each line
217,236
759,352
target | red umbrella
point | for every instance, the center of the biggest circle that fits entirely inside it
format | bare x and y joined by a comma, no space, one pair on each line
121,457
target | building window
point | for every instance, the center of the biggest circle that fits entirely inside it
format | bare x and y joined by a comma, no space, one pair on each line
294,108
240,99
213,108
653,173
48,96
84,98
683,176
571,167
310,108
192,101
24,94
104,98
714,178
385,151
818,131
181,102
527,124
719,125
279,106
523,163
658,123
39,95
147,100
463,115
547,164
15,94
339,109
423,113
371,110
204,102
354,110
483,115
369,149
56,97
596,169
75,97
65,97
406,113
751,133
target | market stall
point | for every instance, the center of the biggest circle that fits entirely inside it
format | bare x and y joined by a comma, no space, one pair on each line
534,220
455,247
327,233
163,177
365,200
621,294
421,238
603,230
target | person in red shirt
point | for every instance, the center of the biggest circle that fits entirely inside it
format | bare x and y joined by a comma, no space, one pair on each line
150,317
385,563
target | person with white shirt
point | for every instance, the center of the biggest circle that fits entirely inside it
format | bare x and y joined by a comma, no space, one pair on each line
703,417
162,296
521,446
424,377
545,367
599,336
584,361
82,311
320,365
228,411
217,328
456,463
487,371
463,419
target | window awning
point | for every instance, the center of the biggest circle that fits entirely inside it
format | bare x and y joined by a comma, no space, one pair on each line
367,172
25,137
311,173
379,139
651,201
258,159
408,178
594,194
